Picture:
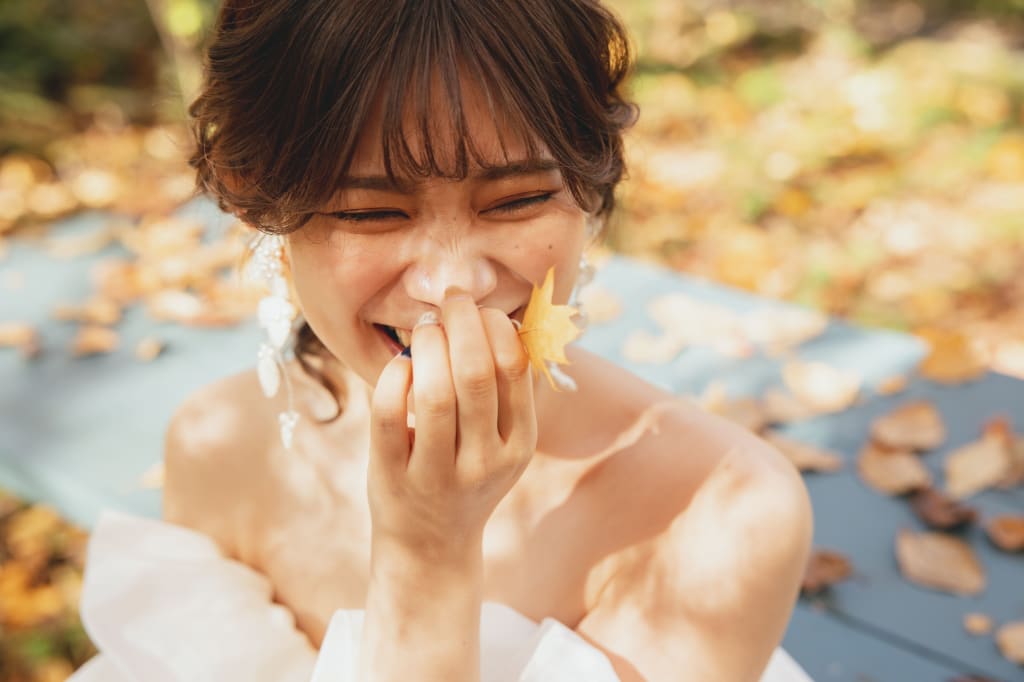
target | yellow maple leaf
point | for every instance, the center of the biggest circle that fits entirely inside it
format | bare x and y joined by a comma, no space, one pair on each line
547,328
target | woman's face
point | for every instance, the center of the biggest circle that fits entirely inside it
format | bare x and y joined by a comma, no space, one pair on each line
378,254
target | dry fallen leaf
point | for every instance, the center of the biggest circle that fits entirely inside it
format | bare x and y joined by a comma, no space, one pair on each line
98,310
1010,639
939,561
782,407
1015,474
824,568
746,412
891,385
952,358
148,349
892,473
941,512
22,336
547,328
1007,532
820,386
916,425
641,346
78,245
977,623
601,304
977,466
804,456
93,340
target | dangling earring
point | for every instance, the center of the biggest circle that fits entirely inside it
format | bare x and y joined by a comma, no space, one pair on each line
275,314
584,277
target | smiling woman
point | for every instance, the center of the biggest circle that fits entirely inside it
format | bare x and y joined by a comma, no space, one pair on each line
416,168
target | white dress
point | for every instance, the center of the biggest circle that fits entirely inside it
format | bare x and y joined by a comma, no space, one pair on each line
163,604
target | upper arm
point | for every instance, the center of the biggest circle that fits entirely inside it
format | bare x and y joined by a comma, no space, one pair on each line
715,592
204,445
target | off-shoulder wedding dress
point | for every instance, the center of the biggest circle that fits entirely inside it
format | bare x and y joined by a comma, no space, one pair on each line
163,604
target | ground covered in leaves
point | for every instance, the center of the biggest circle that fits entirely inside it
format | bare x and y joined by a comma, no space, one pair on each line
871,175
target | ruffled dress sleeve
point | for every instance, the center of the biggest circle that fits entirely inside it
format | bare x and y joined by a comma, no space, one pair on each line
163,604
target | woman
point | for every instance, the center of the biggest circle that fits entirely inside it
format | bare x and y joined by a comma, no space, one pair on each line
415,503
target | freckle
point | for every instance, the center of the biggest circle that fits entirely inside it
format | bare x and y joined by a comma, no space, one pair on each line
550,246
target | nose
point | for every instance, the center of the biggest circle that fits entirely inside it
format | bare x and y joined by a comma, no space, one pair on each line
440,266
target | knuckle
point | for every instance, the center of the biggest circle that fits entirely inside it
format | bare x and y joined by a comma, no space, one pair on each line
478,381
514,366
390,421
435,405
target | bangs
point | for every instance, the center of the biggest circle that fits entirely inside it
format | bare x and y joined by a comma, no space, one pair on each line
422,95
275,145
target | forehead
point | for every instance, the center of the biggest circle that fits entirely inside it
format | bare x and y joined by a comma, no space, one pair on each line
434,129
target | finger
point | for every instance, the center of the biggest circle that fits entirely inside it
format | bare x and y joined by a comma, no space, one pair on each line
517,418
472,366
433,455
389,436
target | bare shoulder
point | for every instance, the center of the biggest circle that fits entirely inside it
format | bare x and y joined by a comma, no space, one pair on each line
730,528
212,442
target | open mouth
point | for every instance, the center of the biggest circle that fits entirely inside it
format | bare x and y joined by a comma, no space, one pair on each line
399,339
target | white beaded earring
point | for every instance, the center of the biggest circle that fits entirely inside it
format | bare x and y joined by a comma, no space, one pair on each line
584,277
276,315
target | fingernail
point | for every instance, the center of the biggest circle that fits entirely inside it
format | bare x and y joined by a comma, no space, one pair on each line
516,323
454,292
429,317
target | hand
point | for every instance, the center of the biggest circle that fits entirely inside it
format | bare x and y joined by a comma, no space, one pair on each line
432,491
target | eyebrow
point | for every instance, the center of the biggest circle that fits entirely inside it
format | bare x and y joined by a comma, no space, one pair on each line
491,174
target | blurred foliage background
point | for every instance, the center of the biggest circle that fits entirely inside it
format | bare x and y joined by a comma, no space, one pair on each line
865,157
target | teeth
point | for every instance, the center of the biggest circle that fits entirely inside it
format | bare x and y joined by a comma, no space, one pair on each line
404,336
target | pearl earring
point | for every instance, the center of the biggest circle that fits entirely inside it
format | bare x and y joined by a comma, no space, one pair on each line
275,314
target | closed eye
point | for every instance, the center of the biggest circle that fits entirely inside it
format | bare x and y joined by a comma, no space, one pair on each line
522,203
509,207
368,215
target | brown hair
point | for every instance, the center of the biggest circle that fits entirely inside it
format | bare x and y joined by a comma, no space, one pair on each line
289,86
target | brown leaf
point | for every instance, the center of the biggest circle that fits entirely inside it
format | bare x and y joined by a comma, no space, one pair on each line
98,310
601,304
782,407
824,568
952,359
820,386
1015,474
1010,639
977,466
148,349
1007,532
892,385
20,335
977,623
93,340
643,347
746,412
916,425
941,512
78,245
939,561
16,334
804,456
124,281
892,473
